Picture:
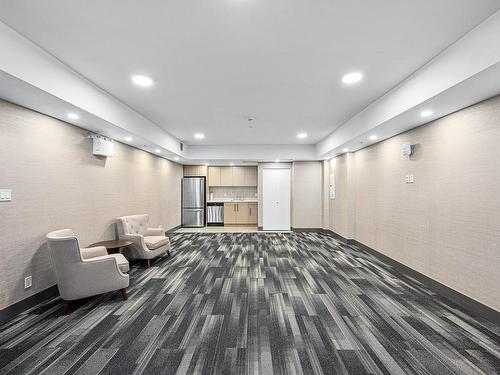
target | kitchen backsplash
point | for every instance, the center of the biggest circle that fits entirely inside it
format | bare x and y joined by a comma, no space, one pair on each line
233,192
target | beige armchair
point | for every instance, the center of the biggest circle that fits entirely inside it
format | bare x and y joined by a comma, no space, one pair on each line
85,272
148,242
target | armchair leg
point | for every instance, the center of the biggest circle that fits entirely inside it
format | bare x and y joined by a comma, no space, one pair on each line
124,294
149,263
65,307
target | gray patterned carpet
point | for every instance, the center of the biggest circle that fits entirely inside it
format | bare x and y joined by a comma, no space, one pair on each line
256,303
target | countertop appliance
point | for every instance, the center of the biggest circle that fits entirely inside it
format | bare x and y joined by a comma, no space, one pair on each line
215,214
193,202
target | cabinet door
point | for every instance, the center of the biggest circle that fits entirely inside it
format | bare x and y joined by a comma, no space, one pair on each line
213,176
195,170
251,176
253,213
242,213
229,213
239,176
226,176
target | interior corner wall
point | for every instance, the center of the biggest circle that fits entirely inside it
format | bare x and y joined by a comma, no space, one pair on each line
446,225
307,195
341,208
57,183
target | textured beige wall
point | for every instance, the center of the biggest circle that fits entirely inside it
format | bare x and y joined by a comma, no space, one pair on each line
447,224
307,194
57,183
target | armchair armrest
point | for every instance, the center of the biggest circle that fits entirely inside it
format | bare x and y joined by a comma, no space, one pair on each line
137,239
155,231
92,252
106,263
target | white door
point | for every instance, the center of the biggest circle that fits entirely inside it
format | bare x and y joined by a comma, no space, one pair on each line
276,199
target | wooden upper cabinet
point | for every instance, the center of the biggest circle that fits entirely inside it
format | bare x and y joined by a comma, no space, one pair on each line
232,176
250,176
195,170
214,178
239,176
226,176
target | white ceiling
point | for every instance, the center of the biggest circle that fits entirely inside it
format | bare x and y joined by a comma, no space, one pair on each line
216,62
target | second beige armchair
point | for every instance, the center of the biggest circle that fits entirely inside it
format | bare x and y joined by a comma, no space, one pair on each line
148,242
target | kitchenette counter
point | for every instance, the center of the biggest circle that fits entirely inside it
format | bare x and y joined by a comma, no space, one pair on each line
232,200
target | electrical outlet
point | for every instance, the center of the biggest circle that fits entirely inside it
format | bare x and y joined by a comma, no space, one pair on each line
28,282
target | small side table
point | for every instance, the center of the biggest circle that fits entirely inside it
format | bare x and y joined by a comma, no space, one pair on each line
113,246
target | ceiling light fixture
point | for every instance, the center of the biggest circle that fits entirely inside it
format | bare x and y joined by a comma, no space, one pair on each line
158,151
351,78
199,135
176,158
426,113
345,150
73,116
373,137
277,161
129,138
302,135
232,164
142,81
207,164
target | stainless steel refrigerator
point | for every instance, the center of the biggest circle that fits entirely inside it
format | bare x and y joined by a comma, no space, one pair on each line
193,202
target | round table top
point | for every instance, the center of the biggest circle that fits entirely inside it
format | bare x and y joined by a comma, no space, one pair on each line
113,244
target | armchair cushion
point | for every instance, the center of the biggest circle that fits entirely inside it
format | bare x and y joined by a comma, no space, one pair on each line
154,242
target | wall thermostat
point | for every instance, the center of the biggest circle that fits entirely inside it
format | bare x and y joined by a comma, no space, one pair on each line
102,146
406,150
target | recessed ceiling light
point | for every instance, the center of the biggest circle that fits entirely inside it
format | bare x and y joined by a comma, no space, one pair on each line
207,164
199,135
302,135
129,138
142,81
277,161
373,137
426,113
73,116
345,150
176,158
231,164
158,151
353,77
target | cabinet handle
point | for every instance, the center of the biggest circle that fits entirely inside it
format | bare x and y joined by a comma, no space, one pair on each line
250,211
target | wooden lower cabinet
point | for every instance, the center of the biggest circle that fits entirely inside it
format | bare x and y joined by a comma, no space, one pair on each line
253,212
230,213
240,213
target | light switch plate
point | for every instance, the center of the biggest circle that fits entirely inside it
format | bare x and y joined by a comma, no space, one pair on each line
5,195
